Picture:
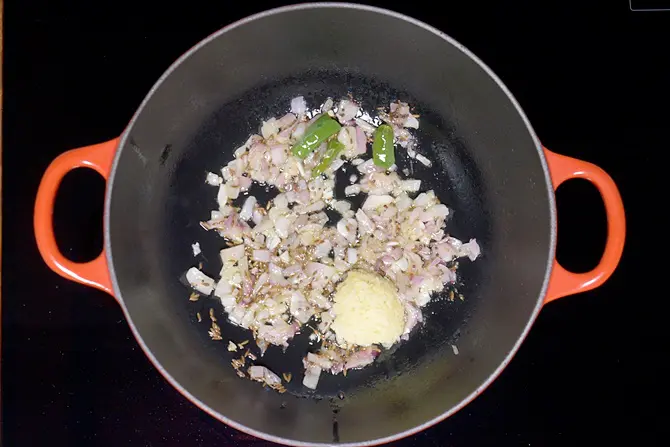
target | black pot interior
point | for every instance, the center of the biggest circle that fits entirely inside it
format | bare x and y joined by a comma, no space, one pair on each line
486,168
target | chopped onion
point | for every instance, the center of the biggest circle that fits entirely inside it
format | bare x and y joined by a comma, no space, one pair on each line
403,202
411,185
303,197
319,300
374,202
232,254
213,179
300,308
261,255
269,128
222,197
346,110
298,105
276,275
257,217
471,249
263,226
425,161
316,206
279,153
262,374
344,137
365,223
299,131
282,226
368,166
199,281
341,206
292,270
256,372
352,190
196,248
227,301
262,345
360,359
286,120
347,228
412,317
312,374
423,199
248,208
437,211
323,249
301,221
448,276
361,141
365,125
352,256
411,122
327,105
247,144
318,360
337,164
260,283
244,183
318,269
281,201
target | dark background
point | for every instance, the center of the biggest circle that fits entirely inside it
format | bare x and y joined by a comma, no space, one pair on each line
592,79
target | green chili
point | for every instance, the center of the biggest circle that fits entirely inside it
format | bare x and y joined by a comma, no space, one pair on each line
322,129
332,152
383,152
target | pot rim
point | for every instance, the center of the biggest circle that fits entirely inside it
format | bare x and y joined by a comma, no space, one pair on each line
286,441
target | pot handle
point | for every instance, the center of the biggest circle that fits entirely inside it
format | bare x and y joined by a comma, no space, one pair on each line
563,282
98,157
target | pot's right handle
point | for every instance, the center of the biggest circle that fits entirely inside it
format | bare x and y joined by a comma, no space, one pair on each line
98,157
563,282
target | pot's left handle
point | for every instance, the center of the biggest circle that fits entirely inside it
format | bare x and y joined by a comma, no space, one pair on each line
98,157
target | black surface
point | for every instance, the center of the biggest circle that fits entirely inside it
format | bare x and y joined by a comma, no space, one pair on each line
592,84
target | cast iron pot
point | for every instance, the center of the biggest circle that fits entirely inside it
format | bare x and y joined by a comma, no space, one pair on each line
488,165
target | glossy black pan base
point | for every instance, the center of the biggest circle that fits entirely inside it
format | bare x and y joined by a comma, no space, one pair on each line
486,167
